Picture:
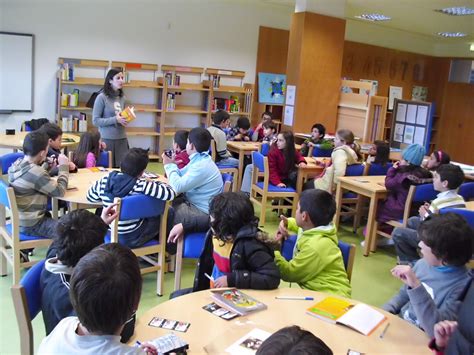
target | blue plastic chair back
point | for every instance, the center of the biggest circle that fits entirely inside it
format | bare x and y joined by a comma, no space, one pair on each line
287,247
31,283
8,159
467,214
103,159
141,206
425,192
3,194
355,170
377,169
193,243
322,153
227,177
264,149
257,159
466,190
345,251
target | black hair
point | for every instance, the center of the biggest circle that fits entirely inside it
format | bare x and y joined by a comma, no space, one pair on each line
35,142
451,173
89,143
382,155
181,138
134,162
270,124
449,236
76,234
320,206
321,129
105,288
293,341
231,211
289,151
267,113
108,89
220,116
243,122
442,157
52,130
201,138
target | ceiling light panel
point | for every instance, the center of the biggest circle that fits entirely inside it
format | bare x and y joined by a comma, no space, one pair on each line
451,34
457,11
373,17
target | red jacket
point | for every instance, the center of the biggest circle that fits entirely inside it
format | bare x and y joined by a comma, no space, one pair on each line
182,159
276,163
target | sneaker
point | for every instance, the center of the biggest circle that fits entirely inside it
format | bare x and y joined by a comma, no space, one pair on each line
380,242
24,258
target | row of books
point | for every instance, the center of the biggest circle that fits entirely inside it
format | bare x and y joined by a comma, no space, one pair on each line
172,79
216,80
170,102
67,72
74,123
230,105
70,99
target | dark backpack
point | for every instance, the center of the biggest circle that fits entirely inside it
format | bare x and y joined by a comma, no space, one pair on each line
91,101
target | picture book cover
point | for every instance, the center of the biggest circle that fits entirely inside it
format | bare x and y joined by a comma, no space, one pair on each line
129,113
330,309
237,301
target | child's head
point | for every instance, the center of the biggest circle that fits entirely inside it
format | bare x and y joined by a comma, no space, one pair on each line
105,288
221,118
54,133
199,140
293,340
437,158
243,124
135,162
381,152
446,239
35,145
180,140
267,116
229,211
318,131
343,137
286,143
113,82
413,154
315,208
89,143
77,233
269,128
448,177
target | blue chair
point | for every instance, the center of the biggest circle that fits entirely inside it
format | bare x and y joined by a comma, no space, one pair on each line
105,159
11,240
347,251
319,152
351,198
8,159
142,206
466,190
262,191
264,149
224,169
374,169
467,214
27,303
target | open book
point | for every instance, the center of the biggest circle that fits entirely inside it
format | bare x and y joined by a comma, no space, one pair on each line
237,301
359,317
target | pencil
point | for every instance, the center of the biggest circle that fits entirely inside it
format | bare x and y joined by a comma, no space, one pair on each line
384,331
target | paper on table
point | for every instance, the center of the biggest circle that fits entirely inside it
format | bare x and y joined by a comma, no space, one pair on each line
288,120
419,137
411,114
398,135
362,318
409,132
401,112
290,95
422,115
249,343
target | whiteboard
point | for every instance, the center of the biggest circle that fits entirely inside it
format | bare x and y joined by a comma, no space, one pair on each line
16,72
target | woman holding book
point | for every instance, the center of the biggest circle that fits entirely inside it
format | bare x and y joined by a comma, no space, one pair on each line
107,116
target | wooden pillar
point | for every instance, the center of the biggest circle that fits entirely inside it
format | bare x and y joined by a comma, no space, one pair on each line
314,66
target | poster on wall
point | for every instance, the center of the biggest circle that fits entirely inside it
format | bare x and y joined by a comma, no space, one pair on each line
419,137
288,119
394,92
411,114
419,93
409,132
271,88
422,115
398,136
401,112
373,90
290,95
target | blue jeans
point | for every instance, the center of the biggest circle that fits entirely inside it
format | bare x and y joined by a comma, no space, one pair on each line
247,179
228,161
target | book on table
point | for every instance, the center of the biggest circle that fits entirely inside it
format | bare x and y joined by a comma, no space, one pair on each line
237,301
360,317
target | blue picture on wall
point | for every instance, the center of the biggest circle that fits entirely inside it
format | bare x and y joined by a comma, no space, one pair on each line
271,88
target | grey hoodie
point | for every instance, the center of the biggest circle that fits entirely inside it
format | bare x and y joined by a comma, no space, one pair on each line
103,116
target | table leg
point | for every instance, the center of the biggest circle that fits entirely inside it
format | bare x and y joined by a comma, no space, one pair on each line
241,168
299,181
54,208
338,205
371,224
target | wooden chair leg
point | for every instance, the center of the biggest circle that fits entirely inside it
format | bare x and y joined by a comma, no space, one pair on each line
160,272
16,265
179,261
263,210
3,258
358,211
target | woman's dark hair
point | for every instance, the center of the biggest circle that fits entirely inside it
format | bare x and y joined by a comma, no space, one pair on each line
321,129
105,288
231,211
35,142
293,341
449,236
289,151
89,143
383,153
108,89
181,138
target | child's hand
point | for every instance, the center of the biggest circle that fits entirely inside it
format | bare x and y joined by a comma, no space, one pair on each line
109,213
424,210
246,138
72,166
443,331
302,164
406,275
103,146
396,165
121,120
311,144
176,233
238,137
221,282
149,348
282,232
167,159
281,185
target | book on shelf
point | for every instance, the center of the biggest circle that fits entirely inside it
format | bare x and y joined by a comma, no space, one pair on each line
231,105
170,102
67,72
74,124
172,79
237,301
216,81
360,317
129,113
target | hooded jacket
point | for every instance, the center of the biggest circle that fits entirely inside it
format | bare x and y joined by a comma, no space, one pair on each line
317,261
33,186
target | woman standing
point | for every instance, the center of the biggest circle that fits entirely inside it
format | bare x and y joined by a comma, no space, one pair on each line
106,116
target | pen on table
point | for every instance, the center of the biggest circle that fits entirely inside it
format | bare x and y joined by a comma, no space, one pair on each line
209,277
294,298
384,331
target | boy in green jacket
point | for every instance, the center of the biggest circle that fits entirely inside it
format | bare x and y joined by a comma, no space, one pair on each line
317,260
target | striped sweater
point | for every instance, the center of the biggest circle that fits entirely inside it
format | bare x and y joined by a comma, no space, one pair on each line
100,192
447,199
33,186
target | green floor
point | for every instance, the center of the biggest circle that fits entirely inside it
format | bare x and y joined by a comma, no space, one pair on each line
371,283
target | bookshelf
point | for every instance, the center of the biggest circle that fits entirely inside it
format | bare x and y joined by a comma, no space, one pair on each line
76,80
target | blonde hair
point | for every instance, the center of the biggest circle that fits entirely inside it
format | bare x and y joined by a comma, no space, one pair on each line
347,137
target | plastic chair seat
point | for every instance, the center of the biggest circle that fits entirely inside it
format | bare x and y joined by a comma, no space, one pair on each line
273,188
24,237
147,244
349,195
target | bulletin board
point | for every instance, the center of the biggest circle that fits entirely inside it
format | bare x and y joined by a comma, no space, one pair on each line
411,123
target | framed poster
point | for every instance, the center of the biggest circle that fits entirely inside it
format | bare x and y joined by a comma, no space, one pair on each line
271,88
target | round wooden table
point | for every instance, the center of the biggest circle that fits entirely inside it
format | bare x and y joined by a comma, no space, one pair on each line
206,329
15,141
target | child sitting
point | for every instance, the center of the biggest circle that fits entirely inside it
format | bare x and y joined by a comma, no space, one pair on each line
55,135
317,139
179,148
283,160
105,291
258,133
432,288
220,121
437,158
446,180
345,153
133,233
33,185
88,150
241,130
317,260
235,252
269,133
379,153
